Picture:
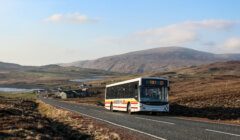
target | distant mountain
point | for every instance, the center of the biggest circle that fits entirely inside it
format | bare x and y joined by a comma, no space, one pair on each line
157,59
14,72
9,66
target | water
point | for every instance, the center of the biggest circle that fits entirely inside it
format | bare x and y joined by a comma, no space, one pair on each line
83,80
88,79
15,90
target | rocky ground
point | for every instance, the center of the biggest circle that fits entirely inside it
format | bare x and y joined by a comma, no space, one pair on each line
215,98
27,119
210,91
20,119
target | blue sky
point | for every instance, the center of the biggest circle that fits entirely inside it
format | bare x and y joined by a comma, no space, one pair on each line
39,32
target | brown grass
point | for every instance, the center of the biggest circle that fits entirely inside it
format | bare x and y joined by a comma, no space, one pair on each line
208,91
99,130
20,119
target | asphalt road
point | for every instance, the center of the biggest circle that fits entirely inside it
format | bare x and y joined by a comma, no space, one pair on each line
155,127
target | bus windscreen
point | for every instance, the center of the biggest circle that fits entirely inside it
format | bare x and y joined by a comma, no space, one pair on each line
153,90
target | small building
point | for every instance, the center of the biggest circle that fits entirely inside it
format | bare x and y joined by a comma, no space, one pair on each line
67,94
73,94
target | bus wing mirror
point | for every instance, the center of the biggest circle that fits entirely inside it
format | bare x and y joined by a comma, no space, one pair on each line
136,97
168,88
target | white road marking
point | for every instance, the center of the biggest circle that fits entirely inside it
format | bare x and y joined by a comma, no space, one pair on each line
237,135
154,136
155,120
205,121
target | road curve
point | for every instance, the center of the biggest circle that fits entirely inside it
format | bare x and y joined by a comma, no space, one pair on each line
155,127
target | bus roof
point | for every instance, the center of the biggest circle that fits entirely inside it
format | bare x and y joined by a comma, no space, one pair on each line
134,80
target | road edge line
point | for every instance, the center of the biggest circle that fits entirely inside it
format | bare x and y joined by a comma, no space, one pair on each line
204,121
132,129
232,134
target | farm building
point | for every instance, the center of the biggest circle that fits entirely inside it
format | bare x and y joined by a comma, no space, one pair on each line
66,94
73,94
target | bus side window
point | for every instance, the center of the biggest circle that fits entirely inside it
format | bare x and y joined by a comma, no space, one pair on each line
136,92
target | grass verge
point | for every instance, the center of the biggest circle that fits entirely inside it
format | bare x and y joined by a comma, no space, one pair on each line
25,96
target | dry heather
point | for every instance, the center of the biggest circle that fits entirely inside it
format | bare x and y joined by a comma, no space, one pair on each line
214,97
98,130
77,122
26,119
20,119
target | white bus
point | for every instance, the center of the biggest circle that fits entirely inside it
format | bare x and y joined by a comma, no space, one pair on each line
148,94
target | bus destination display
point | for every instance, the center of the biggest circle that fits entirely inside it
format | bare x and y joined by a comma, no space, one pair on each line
153,82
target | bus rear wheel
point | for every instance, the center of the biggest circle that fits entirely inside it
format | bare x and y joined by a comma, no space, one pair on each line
129,109
111,107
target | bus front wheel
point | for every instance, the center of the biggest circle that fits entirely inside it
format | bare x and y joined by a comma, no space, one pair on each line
129,109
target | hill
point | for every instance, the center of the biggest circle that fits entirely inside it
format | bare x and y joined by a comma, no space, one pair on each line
9,66
16,75
208,92
157,59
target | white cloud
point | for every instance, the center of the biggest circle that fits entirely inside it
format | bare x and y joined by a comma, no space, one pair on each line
211,24
182,33
173,35
55,18
232,45
71,18
226,45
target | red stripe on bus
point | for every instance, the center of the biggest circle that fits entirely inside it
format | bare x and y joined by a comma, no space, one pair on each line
109,105
124,107
124,103
134,102
135,107
119,106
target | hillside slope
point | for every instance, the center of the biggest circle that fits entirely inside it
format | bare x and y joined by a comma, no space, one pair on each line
157,59
209,91
14,73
